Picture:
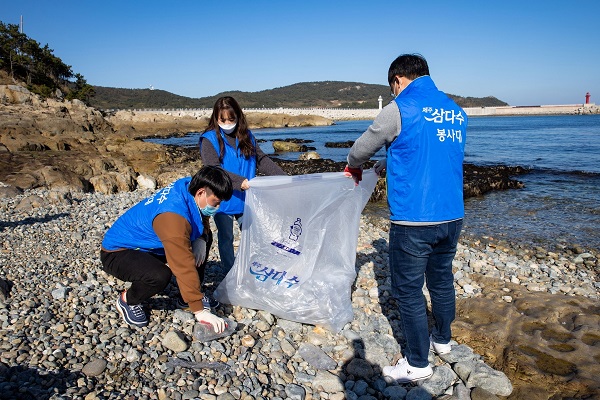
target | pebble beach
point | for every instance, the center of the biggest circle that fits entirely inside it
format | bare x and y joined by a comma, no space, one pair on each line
61,336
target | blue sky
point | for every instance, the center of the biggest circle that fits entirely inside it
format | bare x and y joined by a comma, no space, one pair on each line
523,52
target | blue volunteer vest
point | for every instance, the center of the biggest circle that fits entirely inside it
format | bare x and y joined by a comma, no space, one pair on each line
424,162
235,162
133,230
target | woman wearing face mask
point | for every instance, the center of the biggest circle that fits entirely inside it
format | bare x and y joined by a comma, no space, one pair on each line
227,142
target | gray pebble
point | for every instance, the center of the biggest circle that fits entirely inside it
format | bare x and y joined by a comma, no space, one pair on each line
94,367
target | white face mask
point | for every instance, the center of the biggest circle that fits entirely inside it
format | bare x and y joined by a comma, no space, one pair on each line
228,128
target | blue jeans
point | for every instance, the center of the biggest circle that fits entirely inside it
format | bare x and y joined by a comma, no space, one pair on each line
224,225
421,254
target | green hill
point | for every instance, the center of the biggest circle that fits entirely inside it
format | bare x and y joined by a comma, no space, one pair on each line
306,94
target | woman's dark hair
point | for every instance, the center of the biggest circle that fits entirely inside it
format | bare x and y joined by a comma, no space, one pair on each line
241,130
411,66
214,178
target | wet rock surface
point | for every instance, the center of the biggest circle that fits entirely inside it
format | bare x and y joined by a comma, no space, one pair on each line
476,180
340,145
284,146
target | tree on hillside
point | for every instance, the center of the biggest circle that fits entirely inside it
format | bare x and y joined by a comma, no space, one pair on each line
11,40
24,59
82,90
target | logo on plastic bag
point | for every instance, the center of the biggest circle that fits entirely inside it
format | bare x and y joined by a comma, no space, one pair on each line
291,243
262,273
296,230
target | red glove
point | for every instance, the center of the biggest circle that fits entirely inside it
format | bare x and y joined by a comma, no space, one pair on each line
355,173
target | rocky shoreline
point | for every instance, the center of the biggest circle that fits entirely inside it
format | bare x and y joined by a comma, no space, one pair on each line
526,314
69,147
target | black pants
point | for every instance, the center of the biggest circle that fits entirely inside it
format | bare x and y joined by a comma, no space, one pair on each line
148,273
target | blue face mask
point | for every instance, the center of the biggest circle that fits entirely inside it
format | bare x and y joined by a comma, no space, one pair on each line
209,210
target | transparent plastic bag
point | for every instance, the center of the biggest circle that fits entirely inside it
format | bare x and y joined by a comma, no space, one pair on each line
297,250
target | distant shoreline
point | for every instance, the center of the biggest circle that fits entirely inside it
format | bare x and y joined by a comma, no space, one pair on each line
369,114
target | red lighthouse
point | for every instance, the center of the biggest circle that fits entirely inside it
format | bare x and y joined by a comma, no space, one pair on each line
587,98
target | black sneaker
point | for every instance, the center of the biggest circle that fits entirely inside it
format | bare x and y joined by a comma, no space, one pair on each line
179,303
207,301
133,315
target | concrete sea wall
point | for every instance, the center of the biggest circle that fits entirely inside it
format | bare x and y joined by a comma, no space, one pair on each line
534,110
368,114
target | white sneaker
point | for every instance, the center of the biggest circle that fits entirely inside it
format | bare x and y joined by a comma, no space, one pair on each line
402,372
438,347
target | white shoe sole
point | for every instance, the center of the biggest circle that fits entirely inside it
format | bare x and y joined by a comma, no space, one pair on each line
407,379
433,348
413,380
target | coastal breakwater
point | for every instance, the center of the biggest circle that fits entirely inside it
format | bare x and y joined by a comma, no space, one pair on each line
566,109
338,114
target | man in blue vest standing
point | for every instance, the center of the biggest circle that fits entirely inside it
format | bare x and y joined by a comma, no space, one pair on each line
424,133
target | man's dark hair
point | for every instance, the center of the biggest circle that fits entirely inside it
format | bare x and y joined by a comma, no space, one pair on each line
410,66
214,178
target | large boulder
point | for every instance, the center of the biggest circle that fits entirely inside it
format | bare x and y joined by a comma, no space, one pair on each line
64,144
264,120
59,178
480,180
9,191
144,157
309,155
282,146
105,183
146,182
28,123
145,124
15,94
340,145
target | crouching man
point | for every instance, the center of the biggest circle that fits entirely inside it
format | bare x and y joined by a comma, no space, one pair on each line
157,238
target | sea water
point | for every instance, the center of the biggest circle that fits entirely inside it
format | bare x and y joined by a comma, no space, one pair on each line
560,202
